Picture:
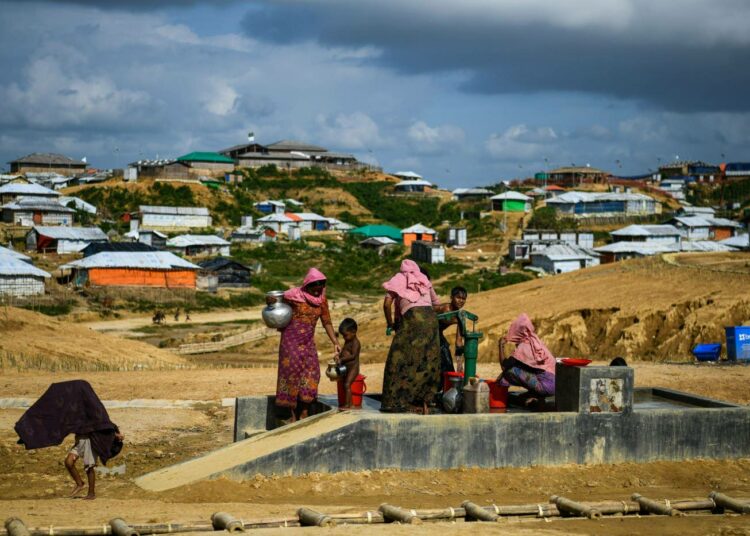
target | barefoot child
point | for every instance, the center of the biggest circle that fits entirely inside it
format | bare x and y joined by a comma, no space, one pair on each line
349,356
82,449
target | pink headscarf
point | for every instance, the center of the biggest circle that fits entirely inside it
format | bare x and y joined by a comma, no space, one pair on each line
298,294
410,283
529,348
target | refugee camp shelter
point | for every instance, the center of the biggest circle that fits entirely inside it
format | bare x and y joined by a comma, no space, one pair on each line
583,204
665,234
19,278
740,242
692,227
412,186
98,247
270,206
150,237
457,237
575,175
407,175
618,251
338,225
309,221
418,232
427,252
15,254
722,228
13,191
689,210
48,162
511,202
62,240
378,230
198,245
252,235
470,194
160,269
174,217
279,223
230,273
27,211
562,258
378,243
77,204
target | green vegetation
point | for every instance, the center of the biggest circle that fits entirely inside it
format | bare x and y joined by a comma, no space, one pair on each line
112,203
51,309
481,281
547,218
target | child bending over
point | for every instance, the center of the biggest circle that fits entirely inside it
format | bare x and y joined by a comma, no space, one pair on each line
82,449
349,356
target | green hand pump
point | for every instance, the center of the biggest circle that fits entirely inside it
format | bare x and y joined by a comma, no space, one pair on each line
471,339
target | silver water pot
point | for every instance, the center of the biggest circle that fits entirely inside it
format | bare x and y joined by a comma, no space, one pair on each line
453,398
277,315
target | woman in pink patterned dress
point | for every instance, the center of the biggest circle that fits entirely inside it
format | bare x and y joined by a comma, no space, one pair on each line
299,368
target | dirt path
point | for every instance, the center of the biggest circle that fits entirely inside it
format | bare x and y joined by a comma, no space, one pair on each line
133,323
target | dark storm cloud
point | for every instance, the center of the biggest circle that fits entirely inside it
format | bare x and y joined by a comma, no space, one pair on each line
683,63
127,5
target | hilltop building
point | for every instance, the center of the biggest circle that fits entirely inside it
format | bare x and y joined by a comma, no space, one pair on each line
16,190
198,245
49,163
656,234
207,162
290,154
583,204
471,194
573,176
511,202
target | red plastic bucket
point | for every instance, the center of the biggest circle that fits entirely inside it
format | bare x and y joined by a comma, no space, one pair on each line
447,379
359,387
498,394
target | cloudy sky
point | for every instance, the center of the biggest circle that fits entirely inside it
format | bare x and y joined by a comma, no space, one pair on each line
464,93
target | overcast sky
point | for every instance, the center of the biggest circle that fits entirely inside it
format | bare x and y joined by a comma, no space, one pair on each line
464,93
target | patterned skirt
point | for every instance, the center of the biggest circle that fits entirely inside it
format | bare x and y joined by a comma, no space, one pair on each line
412,370
534,380
299,368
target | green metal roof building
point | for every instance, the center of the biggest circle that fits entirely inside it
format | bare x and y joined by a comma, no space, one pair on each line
370,231
212,158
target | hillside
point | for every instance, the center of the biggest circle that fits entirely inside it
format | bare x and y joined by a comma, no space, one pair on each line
648,309
33,341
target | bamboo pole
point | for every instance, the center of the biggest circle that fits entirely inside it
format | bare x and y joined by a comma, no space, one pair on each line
225,521
654,507
725,501
572,507
311,518
16,527
394,513
477,513
164,528
121,528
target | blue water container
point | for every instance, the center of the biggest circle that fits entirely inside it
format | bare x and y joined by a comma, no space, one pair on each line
738,343
707,352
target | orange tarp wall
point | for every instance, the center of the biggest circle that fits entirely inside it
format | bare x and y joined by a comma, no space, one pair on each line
124,277
722,233
411,237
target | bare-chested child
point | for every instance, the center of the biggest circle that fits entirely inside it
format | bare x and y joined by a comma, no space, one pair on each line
349,356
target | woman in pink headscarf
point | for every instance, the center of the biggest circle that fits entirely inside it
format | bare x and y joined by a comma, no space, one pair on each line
531,365
299,368
412,370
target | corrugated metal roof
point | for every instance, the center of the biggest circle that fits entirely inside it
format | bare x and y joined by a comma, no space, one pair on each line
80,204
704,245
309,216
414,182
198,156
511,196
418,229
47,159
71,233
276,218
739,241
640,248
723,222
186,240
693,221
562,252
151,260
12,266
15,188
408,174
294,145
13,253
39,203
175,211
270,202
472,191
647,230
378,241
591,197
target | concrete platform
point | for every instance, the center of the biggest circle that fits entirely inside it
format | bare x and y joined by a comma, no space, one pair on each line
662,425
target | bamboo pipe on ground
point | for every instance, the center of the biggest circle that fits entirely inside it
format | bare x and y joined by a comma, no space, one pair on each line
121,528
476,512
227,522
394,513
311,518
654,507
572,507
725,501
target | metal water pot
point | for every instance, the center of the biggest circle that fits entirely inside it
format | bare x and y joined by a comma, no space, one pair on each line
453,398
277,315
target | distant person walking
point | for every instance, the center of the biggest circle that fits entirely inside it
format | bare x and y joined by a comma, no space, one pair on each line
531,365
412,370
299,368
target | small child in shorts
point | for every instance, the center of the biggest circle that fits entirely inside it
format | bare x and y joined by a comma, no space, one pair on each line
349,356
82,449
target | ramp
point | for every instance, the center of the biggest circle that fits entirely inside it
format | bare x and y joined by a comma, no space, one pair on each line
246,452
